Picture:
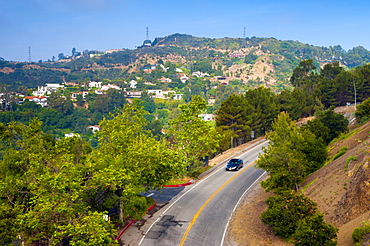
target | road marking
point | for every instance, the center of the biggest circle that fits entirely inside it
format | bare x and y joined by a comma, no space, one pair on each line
195,185
236,205
183,239
150,195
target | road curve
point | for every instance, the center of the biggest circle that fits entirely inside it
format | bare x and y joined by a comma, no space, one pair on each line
200,213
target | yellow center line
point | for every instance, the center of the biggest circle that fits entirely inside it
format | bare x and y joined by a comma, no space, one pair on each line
183,239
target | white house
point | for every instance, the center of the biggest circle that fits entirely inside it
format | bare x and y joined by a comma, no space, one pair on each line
165,80
135,94
69,135
132,84
40,100
83,93
200,74
46,90
110,86
177,96
155,93
183,78
94,128
94,84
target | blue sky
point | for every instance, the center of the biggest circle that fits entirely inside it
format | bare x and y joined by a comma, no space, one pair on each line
51,27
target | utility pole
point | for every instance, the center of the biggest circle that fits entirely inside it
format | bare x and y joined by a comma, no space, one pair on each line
29,54
354,87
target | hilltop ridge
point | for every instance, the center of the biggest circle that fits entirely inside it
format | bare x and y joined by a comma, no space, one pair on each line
251,61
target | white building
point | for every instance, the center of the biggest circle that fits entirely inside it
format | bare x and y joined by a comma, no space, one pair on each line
110,86
132,84
40,100
46,90
94,84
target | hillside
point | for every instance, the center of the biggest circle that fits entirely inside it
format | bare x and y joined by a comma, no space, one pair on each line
340,189
251,61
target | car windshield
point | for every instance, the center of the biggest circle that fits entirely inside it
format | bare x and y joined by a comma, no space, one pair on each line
233,162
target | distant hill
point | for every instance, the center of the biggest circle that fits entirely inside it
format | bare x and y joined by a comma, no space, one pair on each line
253,61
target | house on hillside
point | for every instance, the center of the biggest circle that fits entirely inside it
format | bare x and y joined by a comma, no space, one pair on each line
110,86
183,77
133,94
70,84
236,54
177,96
99,92
40,100
165,94
94,84
94,128
46,90
200,74
132,84
165,80
83,93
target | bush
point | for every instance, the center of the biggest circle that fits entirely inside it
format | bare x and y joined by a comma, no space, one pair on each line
314,231
341,152
285,210
363,111
359,233
349,159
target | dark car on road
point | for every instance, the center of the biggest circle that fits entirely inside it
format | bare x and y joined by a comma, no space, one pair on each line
234,165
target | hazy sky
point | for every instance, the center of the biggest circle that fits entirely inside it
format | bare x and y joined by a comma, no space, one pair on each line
51,27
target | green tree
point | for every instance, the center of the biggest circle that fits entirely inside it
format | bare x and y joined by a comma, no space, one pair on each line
42,181
314,231
363,111
301,76
128,161
319,129
193,137
297,103
336,123
285,211
236,114
291,155
264,102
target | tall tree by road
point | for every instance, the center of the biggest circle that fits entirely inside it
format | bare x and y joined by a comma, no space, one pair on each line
291,155
193,137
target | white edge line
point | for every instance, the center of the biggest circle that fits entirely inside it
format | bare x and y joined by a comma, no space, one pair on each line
236,205
195,185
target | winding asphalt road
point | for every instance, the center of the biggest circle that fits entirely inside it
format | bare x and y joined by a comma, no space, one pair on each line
200,213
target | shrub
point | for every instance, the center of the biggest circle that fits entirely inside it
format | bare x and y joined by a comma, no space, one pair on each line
359,233
363,111
314,231
341,152
285,210
349,159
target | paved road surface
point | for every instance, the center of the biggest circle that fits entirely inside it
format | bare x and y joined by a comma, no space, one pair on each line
200,213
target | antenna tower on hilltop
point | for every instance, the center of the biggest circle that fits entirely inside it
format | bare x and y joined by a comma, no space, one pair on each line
244,33
29,53
147,33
